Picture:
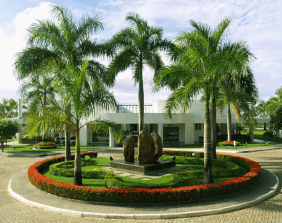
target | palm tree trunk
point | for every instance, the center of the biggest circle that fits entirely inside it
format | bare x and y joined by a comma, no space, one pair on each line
67,143
213,126
77,161
44,102
251,133
207,176
228,123
141,100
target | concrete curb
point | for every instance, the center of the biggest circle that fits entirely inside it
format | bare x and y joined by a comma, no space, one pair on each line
151,216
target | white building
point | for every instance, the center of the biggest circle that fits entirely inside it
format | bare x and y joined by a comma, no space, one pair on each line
184,129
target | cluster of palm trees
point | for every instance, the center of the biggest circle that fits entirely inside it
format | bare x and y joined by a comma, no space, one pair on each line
6,108
64,80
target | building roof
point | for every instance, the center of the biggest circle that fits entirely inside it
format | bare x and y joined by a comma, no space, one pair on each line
134,109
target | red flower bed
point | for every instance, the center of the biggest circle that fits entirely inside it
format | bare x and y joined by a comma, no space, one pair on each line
143,195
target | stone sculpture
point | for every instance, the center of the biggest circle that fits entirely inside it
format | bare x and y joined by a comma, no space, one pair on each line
158,145
146,148
128,149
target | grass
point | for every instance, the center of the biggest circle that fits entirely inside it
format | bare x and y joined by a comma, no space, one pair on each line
164,181
28,148
258,134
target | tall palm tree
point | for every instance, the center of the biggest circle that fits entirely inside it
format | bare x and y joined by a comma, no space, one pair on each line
84,96
137,46
200,60
67,42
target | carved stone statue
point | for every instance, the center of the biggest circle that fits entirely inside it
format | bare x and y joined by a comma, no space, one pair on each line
128,149
146,148
158,145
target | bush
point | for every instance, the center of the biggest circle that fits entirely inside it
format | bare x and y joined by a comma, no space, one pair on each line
228,143
268,135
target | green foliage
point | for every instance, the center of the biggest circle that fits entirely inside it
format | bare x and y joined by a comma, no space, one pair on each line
8,129
104,125
268,135
5,108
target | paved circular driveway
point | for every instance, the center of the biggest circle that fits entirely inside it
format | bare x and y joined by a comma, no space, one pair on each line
12,210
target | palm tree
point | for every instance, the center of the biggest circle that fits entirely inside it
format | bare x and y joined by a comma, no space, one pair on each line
238,93
200,60
136,46
36,92
67,42
85,97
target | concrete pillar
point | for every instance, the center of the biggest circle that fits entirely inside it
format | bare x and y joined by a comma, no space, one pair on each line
161,131
189,133
111,138
83,136
20,121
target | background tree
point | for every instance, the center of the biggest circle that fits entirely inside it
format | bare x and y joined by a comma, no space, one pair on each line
36,90
135,47
238,94
6,108
8,129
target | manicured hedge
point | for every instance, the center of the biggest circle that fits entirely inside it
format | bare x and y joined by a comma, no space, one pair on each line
60,169
144,195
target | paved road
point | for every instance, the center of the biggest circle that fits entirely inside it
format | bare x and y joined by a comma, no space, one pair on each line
12,210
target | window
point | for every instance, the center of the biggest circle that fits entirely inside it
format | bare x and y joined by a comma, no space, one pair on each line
198,126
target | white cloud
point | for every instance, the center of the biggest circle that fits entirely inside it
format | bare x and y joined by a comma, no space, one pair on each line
12,40
256,22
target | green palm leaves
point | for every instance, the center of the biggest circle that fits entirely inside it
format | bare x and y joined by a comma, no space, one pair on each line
65,52
135,47
202,63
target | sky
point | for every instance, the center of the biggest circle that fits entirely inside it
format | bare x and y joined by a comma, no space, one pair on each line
258,22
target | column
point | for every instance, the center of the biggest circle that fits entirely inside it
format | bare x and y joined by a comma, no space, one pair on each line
189,133
161,131
111,138
83,136
20,120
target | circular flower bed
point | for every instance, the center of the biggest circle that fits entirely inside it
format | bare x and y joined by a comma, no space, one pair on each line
143,195
45,145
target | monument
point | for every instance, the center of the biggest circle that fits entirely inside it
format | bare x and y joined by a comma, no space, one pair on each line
148,152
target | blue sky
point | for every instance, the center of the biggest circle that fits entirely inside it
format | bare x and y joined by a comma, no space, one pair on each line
257,22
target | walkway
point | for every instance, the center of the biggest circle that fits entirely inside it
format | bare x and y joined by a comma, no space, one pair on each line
12,210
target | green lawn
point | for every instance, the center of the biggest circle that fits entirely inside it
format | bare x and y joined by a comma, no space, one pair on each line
258,134
28,148
163,181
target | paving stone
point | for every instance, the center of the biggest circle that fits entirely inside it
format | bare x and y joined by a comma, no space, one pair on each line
12,210
125,174
136,176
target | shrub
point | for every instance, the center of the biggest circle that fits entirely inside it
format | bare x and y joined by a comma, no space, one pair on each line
142,195
228,143
268,135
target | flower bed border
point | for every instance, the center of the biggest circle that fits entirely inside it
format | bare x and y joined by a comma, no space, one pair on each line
141,195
